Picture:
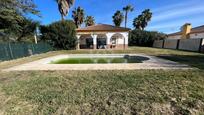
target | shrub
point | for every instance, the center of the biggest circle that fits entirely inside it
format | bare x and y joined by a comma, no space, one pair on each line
61,34
144,38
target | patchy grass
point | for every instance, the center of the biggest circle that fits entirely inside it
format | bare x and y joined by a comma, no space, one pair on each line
192,60
105,92
108,92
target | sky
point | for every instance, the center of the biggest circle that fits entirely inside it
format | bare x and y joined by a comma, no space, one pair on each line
168,15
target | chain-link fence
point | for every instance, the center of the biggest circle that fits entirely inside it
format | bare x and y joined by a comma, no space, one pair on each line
9,51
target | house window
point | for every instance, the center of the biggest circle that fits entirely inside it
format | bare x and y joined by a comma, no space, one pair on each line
113,41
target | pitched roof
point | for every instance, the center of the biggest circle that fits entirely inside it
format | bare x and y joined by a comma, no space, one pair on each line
102,28
199,29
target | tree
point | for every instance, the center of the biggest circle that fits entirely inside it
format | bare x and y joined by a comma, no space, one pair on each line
64,6
142,20
19,6
137,22
89,21
61,34
144,38
28,28
127,9
78,16
147,15
118,18
12,16
12,11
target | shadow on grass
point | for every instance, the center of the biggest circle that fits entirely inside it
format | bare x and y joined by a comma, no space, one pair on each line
191,60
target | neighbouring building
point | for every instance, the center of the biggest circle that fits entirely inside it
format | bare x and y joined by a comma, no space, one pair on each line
189,39
188,32
102,36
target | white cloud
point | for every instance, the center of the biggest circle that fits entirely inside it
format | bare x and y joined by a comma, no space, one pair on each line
171,18
175,13
175,24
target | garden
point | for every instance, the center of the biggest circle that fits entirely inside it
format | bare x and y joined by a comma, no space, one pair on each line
115,91
105,91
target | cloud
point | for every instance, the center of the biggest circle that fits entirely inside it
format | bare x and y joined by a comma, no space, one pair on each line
171,26
177,5
172,17
175,13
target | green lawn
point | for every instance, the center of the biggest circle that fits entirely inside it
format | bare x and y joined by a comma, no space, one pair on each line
106,92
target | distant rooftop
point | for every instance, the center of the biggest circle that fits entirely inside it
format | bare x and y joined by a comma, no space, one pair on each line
103,28
199,29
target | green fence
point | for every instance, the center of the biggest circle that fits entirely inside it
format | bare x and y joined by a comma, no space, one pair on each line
9,51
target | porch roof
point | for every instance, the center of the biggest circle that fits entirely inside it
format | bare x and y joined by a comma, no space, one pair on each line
103,28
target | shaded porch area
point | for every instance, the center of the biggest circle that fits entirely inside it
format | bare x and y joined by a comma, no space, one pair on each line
102,36
102,41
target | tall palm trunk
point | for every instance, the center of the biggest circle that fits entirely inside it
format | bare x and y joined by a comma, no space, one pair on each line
126,19
62,17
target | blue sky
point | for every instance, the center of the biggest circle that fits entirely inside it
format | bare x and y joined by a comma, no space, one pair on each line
168,15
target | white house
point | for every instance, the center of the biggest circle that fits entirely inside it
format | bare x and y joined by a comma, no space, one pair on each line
103,36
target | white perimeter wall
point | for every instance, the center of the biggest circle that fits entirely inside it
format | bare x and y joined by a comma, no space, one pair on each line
170,43
158,44
183,44
190,44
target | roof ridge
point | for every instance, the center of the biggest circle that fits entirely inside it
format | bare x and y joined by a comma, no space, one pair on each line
104,25
198,27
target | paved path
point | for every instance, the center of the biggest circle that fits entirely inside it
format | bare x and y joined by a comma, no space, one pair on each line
152,63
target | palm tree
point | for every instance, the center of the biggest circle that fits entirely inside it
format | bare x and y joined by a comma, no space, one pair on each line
142,20
127,9
118,18
89,21
147,15
64,6
137,22
78,16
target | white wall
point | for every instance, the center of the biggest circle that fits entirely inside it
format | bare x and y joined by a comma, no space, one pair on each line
174,37
189,44
197,35
158,44
119,39
170,43
192,36
183,44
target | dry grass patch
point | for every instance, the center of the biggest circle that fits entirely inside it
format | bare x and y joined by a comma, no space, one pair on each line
108,92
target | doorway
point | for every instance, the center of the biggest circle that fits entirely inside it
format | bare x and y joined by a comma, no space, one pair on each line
101,43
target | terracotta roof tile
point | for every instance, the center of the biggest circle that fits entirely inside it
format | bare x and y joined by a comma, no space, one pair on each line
199,29
102,28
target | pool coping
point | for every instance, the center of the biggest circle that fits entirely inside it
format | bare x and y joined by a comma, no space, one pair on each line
152,63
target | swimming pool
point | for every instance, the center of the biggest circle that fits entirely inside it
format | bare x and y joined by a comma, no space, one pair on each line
100,59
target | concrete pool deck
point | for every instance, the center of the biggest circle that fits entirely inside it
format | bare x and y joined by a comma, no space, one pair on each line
152,63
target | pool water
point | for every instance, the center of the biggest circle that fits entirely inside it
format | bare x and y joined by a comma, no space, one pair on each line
98,60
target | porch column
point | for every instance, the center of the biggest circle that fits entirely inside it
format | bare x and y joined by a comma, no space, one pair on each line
78,42
125,40
94,41
109,35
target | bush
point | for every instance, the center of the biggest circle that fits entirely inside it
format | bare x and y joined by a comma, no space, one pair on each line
60,35
144,38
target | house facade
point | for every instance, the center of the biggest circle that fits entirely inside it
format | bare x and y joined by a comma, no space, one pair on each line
102,36
188,32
